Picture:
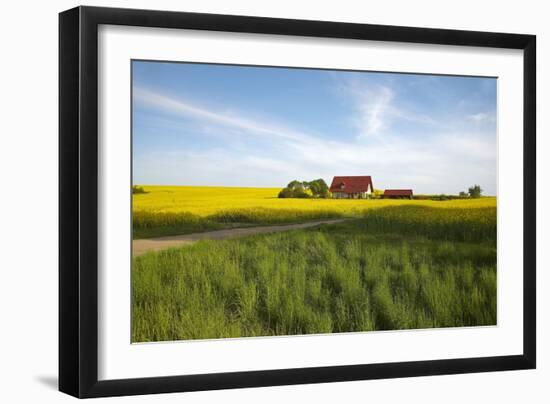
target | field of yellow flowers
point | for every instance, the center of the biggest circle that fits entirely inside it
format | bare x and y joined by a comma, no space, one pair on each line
397,265
166,210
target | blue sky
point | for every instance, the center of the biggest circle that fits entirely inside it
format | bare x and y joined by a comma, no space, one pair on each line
203,124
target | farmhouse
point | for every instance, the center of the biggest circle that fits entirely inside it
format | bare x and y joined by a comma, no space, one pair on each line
398,194
352,187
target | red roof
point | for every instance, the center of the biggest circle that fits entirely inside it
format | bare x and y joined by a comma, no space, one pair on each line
398,192
351,184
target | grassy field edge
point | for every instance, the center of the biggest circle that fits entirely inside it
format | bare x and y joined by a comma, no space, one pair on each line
391,269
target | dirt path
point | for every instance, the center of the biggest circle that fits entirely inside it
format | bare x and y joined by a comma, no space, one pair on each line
142,246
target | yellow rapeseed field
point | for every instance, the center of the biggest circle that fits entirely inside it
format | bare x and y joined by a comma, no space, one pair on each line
398,264
206,201
167,210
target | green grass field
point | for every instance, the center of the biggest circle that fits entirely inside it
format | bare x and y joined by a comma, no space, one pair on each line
403,265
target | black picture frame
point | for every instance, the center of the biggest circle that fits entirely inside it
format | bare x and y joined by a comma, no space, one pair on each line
78,201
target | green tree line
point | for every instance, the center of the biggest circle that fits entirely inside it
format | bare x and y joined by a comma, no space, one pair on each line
306,189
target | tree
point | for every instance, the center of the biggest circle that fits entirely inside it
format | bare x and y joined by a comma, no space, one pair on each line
318,188
306,189
462,194
475,191
138,190
294,189
285,193
294,185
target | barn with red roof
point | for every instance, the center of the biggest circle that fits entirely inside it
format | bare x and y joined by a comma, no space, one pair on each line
352,187
398,193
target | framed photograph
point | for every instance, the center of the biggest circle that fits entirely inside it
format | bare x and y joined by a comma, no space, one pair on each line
251,201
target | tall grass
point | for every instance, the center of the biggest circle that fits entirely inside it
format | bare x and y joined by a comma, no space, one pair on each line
396,268
154,224
479,224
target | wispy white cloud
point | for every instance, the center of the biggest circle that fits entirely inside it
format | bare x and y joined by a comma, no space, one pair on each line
188,109
374,111
482,117
470,146
377,108
443,162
